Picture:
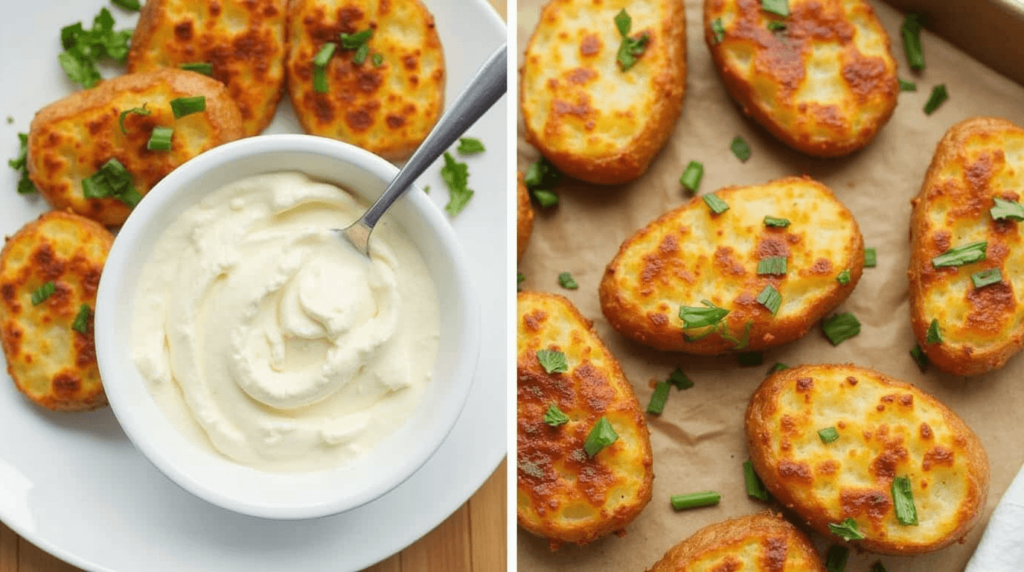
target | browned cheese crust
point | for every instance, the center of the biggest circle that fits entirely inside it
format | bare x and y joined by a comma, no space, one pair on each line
52,364
887,429
387,110
562,493
591,119
977,161
824,85
71,139
524,217
242,39
690,254
755,543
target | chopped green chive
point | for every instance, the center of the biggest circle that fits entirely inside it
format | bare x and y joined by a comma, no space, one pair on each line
43,293
20,164
779,366
835,559
695,500
903,501
361,54
776,222
870,258
847,530
878,567
843,278
81,323
718,30
136,111
987,277
692,176
679,379
554,416
553,361
778,7
658,398
183,106
160,139
770,298
320,61
840,327
772,266
911,32
130,5
739,343
697,317
456,177
1007,210
934,336
541,174
355,41
565,280
740,149
377,59
601,436
717,205
776,26
938,96
828,434
544,198
198,67
469,146
631,48
918,354
520,278
907,86
111,180
755,488
961,255
750,359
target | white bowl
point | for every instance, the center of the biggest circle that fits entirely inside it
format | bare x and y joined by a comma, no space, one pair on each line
214,477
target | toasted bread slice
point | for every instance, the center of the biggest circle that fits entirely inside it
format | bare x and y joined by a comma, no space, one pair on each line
564,493
242,39
387,110
978,161
52,363
524,218
886,429
71,139
824,84
691,254
588,116
754,543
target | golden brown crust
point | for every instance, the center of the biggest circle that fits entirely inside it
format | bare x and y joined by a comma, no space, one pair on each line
387,110
524,217
72,138
757,542
973,164
242,39
887,428
563,494
582,115
690,254
52,364
828,113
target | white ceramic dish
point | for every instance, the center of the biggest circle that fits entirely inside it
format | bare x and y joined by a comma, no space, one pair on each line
75,486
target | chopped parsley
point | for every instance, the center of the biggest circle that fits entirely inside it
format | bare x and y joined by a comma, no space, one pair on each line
554,416
631,48
84,48
20,164
847,530
601,436
717,30
469,146
456,176
553,361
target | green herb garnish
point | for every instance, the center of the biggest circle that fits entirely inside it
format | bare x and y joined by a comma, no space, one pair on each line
113,181
740,149
843,277
840,327
987,277
934,336
601,436
469,146
777,7
81,323
692,176
938,96
377,59
657,403
903,501
20,164
1007,210
553,361
717,30
696,317
717,205
772,266
84,48
130,5
198,67
631,48
357,40
361,54
456,176
565,280
835,559
828,434
184,106
544,198
520,278
961,255
541,174
695,500
907,86
554,416
870,258
43,293
911,32
776,26
142,111
919,356
779,366
160,139
847,530
776,222
755,488
770,298
679,379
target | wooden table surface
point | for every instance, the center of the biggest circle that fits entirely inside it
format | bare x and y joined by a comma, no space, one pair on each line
471,540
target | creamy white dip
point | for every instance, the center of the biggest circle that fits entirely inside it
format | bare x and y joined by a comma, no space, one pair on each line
265,335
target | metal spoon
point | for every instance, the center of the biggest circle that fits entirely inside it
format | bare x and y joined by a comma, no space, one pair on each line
486,87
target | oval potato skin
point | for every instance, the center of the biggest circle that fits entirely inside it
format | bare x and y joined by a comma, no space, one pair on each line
753,543
387,110
824,86
72,138
691,254
887,428
524,218
562,494
592,120
52,364
242,39
977,160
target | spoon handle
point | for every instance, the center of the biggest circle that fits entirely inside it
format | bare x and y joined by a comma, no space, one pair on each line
486,87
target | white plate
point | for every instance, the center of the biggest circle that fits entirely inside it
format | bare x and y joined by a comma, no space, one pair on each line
73,484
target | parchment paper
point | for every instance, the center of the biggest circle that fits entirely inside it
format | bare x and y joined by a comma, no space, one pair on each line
698,441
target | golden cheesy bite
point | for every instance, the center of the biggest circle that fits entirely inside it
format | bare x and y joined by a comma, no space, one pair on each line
754,543
70,140
590,117
524,217
387,109
49,272
829,440
782,256
823,81
564,493
969,201
243,41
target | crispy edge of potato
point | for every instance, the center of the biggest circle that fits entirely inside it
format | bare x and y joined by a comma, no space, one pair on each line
965,361
633,161
524,217
762,406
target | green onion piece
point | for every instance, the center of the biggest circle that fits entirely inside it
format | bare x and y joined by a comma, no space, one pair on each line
772,266
541,174
835,559
847,530
160,140
750,359
600,437
198,67
907,86
456,177
469,146
553,361
776,222
779,366
135,110
695,500
20,164
718,30
544,198
377,59
903,501
778,7
844,277
740,149
938,96
878,567
320,80
987,277
623,22
131,5
1007,210
679,379
717,205
755,488
934,336
961,255
81,323
692,176
870,258
739,343
565,280
320,61
840,327
918,354
554,416
426,189
43,292
911,32
828,434
697,317
183,106
112,180
658,398
776,26
354,41
361,54
770,298
520,277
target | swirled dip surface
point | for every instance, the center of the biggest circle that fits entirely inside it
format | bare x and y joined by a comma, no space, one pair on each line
264,334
